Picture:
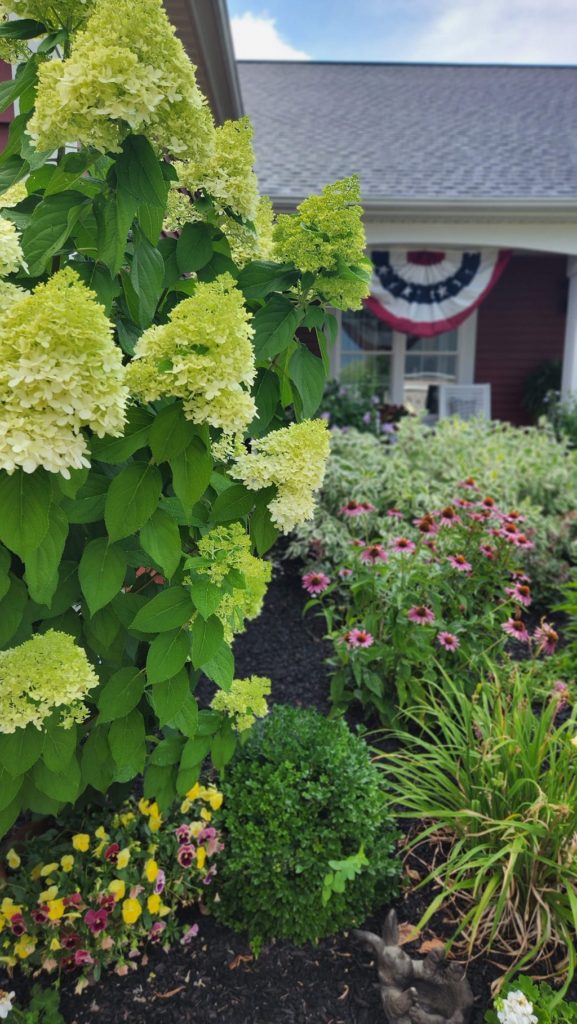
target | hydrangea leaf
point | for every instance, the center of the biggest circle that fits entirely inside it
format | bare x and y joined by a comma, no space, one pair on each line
121,694
275,325
115,450
59,747
167,610
206,596
25,500
171,433
50,225
261,277
166,656
12,608
96,762
207,635
131,500
63,786
42,564
194,247
101,572
233,503
20,750
191,472
160,538
308,375
168,696
127,746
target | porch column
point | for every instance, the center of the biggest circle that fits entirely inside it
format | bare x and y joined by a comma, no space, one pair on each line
569,374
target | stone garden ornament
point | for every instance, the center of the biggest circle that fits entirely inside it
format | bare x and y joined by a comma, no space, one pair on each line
429,991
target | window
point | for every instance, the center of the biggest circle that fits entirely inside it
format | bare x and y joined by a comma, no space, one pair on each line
429,362
364,356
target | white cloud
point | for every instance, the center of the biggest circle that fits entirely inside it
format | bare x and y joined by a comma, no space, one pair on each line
256,37
492,31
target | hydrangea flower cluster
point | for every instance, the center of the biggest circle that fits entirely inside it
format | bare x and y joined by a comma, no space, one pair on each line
244,702
226,548
45,673
13,195
515,1009
204,356
326,237
54,14
127,72
60,371
294,460
11,256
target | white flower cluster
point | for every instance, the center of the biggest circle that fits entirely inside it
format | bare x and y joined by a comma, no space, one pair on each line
516,1009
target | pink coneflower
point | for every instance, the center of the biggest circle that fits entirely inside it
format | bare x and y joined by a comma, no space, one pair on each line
520,593
448,640
546,637
488,502
519,576
358,638
426,524
186,855
345,573
449,517
517,629
480,517
521,540
469,483
463,503
96,921
513,517
403,546
395,513
509,530
488,551
420,614
356,508
374,553
315,582
460,563
358,543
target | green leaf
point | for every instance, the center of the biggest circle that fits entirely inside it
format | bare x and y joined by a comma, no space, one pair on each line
167,654
262,277
207,635
96,760
275,325
59,747
263,532
120,694
24,28
150,219
146,278
194,752
24,79
234,503
71,170
167,610
5,580
220,667
127,746
63,786
159,783
131,500
66,595
88,505
307,373
69,488
114,214
194,247
171,433
139,172
160,538
12,170
168,751
191,472
20,750
42,564
51,223
114,450
9,815
24,499
169,696
12,608
223,746
9,788
102,631
101,572
186,718
206,596
266,394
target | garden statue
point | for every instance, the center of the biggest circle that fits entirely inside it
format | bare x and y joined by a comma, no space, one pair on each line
428,991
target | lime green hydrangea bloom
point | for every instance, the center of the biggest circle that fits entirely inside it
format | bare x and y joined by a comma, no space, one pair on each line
46,673
228,547
294,460
55,14
326,237
12,51
244,702
204,356
13,195
9,295
60,371
11,256
127,72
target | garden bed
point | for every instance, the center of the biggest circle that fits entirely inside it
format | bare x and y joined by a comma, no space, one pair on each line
216,978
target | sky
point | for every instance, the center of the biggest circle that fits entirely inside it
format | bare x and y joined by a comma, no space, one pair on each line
444,31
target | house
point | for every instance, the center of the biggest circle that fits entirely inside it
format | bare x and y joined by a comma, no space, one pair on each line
460,167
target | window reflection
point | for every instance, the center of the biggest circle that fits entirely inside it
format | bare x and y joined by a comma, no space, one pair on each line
365,353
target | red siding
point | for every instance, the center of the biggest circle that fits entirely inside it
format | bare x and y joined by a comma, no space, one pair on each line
6,115
521,324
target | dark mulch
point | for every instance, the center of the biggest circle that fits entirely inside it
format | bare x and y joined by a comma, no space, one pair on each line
216,978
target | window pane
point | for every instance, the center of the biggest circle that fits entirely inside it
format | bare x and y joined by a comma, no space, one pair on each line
429,362
366,347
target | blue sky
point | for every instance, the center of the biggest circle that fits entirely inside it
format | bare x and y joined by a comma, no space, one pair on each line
462,31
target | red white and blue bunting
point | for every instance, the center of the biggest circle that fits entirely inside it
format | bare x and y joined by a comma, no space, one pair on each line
425,292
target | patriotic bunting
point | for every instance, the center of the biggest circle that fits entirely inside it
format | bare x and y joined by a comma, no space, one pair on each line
425,292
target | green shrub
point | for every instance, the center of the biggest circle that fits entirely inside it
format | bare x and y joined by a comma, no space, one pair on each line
301,793
493,784
541,1000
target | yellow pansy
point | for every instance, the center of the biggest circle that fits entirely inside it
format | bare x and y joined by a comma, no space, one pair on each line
194,793
49,894
55,944
9,907
101,833
67,862
55,909
81,842
185,806
24,947
144,806
122,858
49,869
200,857
117,888
131,911
35,873
155,823
153,903
126,818
151,870
2,923
163,910
215,800
196,828
206,814
13,860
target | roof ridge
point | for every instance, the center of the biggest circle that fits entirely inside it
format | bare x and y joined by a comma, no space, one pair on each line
410,64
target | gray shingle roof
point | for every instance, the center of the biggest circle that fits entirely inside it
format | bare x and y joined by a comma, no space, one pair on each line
414,131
